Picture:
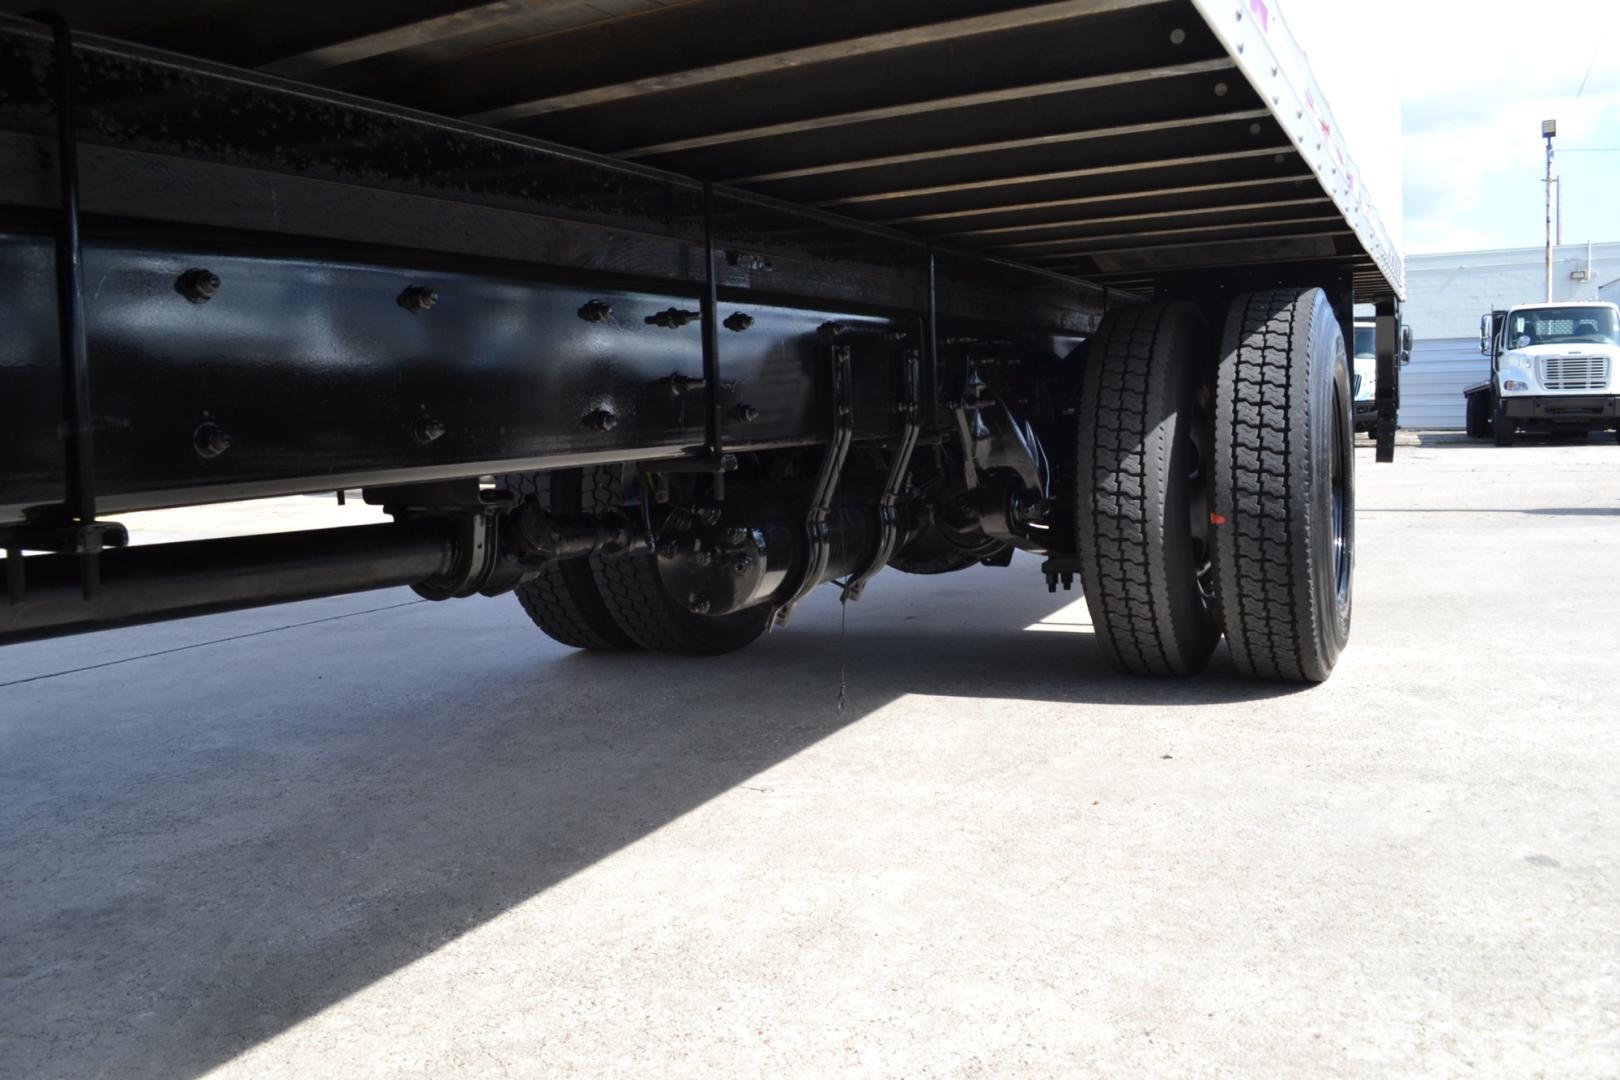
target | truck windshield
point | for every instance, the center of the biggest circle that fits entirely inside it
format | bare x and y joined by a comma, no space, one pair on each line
1365,346
1563,325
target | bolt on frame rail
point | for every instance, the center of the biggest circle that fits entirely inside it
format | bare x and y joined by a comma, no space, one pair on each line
817,297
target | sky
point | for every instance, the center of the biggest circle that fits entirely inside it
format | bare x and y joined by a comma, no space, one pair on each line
1471,82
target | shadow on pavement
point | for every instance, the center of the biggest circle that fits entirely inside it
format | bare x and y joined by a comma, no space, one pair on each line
200,854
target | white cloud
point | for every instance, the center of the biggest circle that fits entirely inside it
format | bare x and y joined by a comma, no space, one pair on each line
1457,165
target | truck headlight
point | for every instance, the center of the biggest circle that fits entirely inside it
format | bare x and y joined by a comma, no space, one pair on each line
1514,384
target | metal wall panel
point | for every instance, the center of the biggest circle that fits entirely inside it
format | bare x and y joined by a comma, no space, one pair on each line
1447,293
1432,384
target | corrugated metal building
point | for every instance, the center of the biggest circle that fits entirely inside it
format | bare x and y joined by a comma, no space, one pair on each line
1447,293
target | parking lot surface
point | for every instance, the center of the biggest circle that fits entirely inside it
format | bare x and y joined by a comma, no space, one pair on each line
379,836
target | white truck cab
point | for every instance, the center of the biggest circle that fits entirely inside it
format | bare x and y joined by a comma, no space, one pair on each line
1364,371
1364,375
1555,368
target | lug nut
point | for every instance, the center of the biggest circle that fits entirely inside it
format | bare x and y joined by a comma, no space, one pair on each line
210,440
737,322
736,536
600,420
673,318
426,429
197,285
698,603
417,298
746,413
596,311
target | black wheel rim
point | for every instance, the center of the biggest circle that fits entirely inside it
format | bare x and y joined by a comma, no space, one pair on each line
1197,435
1342,449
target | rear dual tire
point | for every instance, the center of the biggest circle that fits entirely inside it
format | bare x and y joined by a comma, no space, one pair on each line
1143,441
617,604
562,598
1284,489
1216,487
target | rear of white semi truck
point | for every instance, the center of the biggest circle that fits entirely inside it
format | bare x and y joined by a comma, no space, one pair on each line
661,319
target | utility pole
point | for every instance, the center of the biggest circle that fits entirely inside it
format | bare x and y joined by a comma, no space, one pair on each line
1549,128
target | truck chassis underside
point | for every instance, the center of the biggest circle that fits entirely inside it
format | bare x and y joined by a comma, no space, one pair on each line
222,285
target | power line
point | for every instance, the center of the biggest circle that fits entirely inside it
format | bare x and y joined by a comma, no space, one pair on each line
1589,64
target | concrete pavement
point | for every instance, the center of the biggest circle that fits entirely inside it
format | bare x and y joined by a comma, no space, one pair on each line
378,836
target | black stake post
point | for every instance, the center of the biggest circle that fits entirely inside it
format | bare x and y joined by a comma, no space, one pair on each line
931,331
1387,347
86,536
711,346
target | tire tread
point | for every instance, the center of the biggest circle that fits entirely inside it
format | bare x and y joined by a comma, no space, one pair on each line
634,593
562,599
1262,480
1121,526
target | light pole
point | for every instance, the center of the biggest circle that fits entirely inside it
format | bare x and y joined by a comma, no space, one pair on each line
1549,128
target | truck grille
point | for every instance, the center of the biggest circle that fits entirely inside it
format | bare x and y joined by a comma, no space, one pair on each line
1575,372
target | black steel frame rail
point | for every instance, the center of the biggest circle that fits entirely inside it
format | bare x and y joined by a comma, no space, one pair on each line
308,371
